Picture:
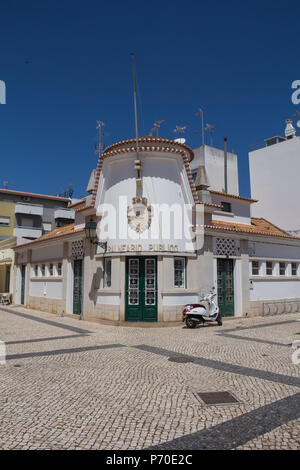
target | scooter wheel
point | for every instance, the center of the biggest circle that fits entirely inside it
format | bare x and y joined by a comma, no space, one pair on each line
190,323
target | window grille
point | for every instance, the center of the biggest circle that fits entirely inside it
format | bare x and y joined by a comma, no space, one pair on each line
77,249
59,269
255,268
226,206
179,272
107,272
269,268
226,247
282,269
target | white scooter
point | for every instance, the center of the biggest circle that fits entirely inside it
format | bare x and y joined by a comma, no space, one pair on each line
194,314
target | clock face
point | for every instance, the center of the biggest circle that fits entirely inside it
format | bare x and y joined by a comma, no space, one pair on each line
139,216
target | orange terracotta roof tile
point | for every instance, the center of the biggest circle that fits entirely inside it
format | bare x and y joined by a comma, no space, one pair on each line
264,224
211,204
58,231
243,198
85,208
77,205
259,226
54,234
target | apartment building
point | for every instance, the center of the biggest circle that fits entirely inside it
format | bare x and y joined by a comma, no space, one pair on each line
25,217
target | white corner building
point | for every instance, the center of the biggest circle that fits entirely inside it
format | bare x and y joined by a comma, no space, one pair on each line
148,239
274,168
212,159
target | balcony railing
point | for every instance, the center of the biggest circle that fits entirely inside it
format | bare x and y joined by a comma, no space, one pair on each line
28,232
31,209
64,214
280,307
267,143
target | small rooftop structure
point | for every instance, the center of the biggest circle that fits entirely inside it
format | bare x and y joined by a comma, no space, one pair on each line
289,132
274,140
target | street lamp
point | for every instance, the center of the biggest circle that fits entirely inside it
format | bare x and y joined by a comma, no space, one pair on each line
91,234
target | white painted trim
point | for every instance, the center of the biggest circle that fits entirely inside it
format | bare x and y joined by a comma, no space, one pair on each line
238,288
69,293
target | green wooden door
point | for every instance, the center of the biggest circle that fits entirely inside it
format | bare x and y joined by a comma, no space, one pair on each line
225,287
77,287
141,289
23,275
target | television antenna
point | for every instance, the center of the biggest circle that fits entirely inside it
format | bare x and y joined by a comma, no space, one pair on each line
99,127
156,126
180,129
200,112
210,128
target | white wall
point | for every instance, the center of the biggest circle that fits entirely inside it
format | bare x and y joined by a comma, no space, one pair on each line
164,182
18,284
179,299
274,179
239,208
47,289
69,287
238,288
26,232
213,159
47,253
79,219
274,289
108,299
275,251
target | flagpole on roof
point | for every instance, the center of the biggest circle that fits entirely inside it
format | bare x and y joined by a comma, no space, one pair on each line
100,125
135,110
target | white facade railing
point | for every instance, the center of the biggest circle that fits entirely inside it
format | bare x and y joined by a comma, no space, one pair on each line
32,209
28,232
64,214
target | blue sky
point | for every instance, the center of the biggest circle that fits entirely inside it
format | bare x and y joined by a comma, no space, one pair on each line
67,64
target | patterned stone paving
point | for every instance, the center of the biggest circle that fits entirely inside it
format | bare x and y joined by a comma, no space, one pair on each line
107,387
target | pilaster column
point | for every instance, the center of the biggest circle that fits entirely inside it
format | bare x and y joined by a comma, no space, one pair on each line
122,287
65,274
27,278
15,268
205,265
245,283
89,293
160,287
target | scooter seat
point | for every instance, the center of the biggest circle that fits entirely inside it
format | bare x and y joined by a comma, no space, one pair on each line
197,306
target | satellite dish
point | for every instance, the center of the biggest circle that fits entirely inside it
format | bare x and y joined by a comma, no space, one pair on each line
298,124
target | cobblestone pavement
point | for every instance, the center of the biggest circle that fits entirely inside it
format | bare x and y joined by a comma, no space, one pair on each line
71,384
